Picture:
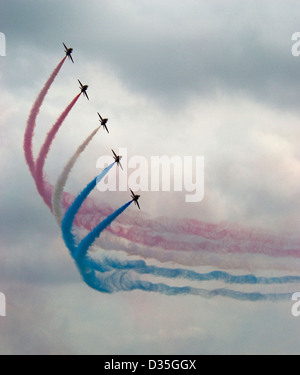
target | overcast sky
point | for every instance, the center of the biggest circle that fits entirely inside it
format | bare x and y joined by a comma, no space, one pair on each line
215,79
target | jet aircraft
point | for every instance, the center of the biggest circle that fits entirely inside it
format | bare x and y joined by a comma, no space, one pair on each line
83,89
117,159
103,122
69,52
135,198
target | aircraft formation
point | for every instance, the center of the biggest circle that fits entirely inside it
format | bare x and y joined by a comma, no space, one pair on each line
103,122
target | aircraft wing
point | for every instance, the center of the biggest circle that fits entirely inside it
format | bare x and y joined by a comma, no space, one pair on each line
86,95
80,83
121,166
71,58
138,204
106,128
65,47
114,153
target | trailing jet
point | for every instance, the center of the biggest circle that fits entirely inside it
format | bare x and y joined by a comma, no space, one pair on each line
135,198
117,159
103,122
83,89
69,52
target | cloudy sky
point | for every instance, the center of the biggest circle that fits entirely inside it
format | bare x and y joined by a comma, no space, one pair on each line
215,79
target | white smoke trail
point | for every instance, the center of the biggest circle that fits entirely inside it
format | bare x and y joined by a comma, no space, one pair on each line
245,262
62,179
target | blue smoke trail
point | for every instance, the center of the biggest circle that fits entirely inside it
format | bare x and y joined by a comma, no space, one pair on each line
112,275
67,222
241,296
88,241
141,267
121,280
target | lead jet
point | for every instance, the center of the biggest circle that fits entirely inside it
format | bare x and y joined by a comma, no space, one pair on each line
103,122
69,52
135,198
83,89
117,159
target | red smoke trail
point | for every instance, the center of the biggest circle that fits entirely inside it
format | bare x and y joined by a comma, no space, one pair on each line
40,181
109,241
146,237
183,235
195,228
234,242
187,235
31,122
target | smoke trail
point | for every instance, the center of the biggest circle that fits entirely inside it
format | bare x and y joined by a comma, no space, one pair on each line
95,233
116,281
112,275
186,249
241,296
39,170
69,217
194,236
62,180
192,227
31,122
88,269
139,266
271,246
246,262
228,245
110,282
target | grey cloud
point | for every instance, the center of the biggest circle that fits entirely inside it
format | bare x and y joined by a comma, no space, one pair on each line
171,51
